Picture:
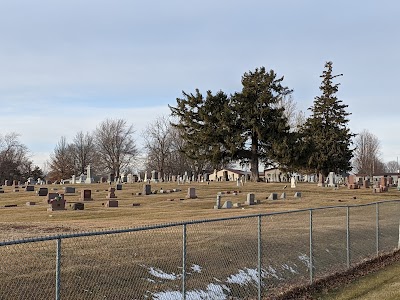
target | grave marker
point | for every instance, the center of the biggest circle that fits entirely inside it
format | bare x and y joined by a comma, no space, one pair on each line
250,199
191,193
112,203
227,204
111,193
86,195
273,196
146,189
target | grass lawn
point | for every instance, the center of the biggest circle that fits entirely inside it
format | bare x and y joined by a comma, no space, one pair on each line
382,285
22,221
225,251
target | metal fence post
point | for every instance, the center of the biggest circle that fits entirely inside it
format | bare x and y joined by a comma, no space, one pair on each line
259,258
184,262
377,228
348,236
311,248
58,269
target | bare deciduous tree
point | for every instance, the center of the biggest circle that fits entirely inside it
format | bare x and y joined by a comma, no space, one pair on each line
115,145
392,166
295,118
367,154
83,151
13,157
158,144
61,161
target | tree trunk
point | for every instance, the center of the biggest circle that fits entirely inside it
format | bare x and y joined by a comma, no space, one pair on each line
254,160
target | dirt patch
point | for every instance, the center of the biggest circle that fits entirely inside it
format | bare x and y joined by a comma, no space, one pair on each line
339,279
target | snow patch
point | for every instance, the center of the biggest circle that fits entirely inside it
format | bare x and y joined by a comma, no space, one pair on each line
196,268
289,268
305,259
212,292
160,274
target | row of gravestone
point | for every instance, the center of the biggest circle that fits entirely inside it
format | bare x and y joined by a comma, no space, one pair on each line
250,200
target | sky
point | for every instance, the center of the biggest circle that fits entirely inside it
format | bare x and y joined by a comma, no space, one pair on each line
67,65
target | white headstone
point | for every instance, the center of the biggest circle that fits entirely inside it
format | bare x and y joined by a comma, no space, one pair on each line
293,183
227,204
89,178
331,179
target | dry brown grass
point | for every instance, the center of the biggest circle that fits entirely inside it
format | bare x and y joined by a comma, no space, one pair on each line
96,264
16,222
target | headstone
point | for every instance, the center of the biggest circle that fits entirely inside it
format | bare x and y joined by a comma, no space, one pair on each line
69,189
112,203
30,203
86,195
331,179
51,196
119,187
73,179
383,181
29,188
129,178
273,196
321,180
297,195
146,189
293,183
124,178
366,183
89,178
250,199
351,179
191,193
154,176
283,196
227,204
58,203
43,191
78,206
218,203
111,193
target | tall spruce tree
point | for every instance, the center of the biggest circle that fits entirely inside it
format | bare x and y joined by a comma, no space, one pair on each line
260,120
325,132
242,127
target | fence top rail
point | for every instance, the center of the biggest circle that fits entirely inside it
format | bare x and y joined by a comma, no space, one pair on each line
168,225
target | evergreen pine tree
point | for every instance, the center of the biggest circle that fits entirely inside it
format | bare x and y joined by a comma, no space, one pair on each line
243,127
326,132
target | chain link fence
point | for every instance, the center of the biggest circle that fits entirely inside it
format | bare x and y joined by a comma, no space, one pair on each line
248,257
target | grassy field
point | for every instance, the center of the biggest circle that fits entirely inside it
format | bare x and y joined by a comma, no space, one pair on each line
155,209
383,284
149,262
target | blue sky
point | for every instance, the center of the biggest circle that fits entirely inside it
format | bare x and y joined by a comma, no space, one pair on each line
68,65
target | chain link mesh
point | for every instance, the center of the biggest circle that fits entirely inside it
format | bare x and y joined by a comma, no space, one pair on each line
214,259
329,241
362,233
285,251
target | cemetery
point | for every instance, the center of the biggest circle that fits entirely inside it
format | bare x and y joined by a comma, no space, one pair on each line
139,203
